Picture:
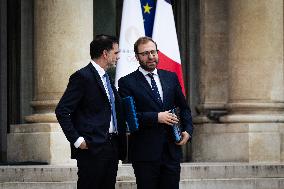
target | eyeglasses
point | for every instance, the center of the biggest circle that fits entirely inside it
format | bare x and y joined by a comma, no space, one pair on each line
147,53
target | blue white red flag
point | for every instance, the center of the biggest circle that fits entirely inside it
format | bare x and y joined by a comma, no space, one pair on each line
164,33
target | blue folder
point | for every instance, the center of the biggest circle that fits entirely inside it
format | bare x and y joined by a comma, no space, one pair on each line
176,127
130,112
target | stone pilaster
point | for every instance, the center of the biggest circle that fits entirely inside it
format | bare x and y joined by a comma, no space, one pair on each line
256,92
63,30
256,78
213,74
252,131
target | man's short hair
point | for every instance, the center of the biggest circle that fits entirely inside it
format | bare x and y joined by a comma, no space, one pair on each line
143,40
100,43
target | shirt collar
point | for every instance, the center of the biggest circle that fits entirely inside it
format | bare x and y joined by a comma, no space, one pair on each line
144,72
100,70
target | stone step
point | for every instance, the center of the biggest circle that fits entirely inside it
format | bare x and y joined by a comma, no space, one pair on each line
66,173
231,170
38,185
193,176
240,183
38,173
243,183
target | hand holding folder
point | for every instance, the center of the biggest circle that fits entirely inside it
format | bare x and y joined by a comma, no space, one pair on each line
176,127
132,120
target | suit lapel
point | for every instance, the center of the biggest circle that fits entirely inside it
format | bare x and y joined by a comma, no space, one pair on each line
142,81
140,78
98,79
165,84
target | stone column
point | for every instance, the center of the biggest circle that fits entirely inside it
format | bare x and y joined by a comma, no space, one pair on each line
213,80
63,30
213,73
256,92
256,89
252,131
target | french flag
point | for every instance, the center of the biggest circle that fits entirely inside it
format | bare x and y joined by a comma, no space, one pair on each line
164,33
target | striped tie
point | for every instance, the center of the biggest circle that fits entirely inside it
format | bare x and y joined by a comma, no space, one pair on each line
155,88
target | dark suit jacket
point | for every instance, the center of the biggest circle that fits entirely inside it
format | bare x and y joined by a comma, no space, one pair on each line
147,143
84,110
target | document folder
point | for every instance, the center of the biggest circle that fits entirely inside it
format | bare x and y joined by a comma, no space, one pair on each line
130,112
176,127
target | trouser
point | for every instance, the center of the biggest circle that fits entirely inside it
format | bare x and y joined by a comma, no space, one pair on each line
98,171
161,174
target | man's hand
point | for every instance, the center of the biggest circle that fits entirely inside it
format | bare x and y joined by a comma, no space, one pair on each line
83,145
167,118
185,137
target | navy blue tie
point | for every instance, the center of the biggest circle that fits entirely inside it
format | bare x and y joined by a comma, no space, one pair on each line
112,102
155,88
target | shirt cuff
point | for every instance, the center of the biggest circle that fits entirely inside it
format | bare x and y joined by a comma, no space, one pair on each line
79,142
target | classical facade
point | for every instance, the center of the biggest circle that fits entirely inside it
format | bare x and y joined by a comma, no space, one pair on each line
232,56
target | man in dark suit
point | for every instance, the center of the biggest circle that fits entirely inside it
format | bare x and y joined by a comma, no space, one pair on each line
90,117
154,154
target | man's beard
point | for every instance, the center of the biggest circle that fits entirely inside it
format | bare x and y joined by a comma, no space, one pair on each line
112,66
145,67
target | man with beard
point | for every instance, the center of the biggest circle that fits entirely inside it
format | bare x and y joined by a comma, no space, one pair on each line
153,151
90,117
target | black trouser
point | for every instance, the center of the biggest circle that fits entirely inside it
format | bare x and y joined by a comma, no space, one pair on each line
98,172
162,174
